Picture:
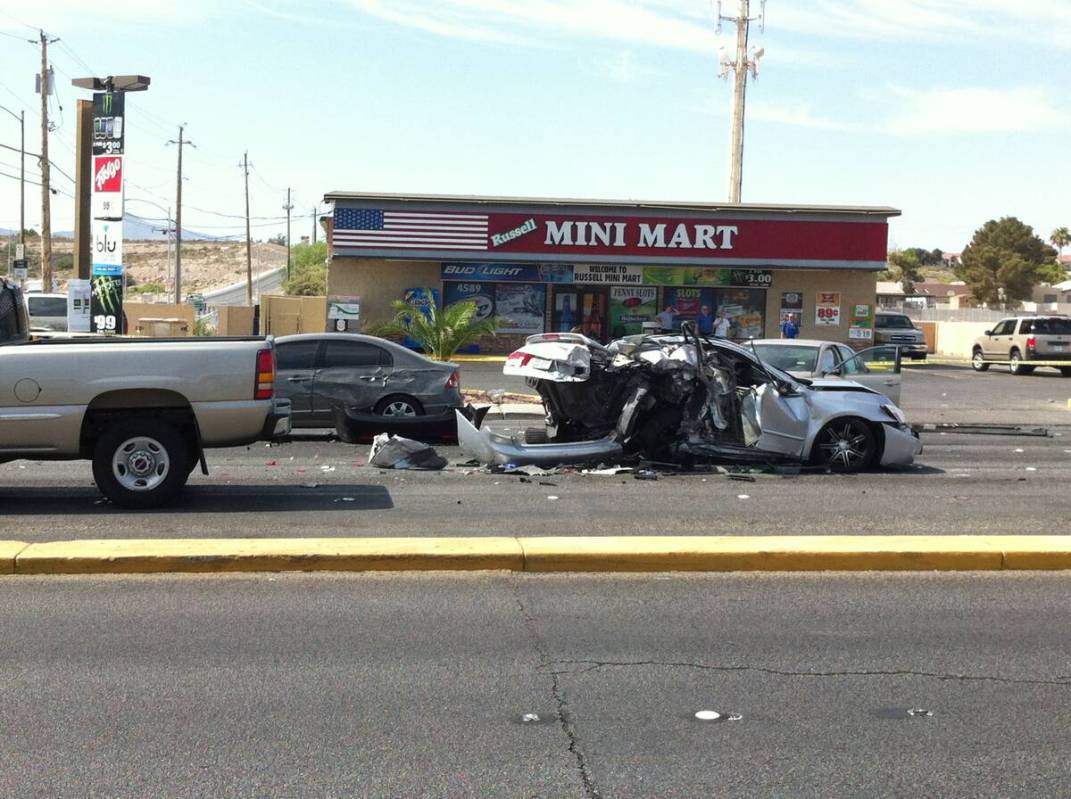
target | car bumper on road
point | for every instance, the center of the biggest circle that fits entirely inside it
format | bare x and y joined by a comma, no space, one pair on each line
902,446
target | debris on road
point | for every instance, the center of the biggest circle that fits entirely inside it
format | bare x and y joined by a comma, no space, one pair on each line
394,452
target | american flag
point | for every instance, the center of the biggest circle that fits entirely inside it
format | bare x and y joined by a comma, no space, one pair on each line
409,230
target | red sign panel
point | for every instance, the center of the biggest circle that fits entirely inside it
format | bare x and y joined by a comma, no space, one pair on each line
107,173
669,238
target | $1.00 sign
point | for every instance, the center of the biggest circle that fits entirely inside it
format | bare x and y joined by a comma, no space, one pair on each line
827,309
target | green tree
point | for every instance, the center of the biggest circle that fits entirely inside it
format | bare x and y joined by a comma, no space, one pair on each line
1051,273
308,276
1006,254
440,333
1060,238
905,268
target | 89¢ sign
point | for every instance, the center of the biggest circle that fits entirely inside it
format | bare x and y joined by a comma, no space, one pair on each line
827,309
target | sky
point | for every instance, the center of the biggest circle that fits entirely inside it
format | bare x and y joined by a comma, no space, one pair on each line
953,111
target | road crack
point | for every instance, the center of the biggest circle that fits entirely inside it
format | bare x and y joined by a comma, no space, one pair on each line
561,704
593,665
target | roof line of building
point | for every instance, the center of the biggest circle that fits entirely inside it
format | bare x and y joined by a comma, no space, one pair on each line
863,210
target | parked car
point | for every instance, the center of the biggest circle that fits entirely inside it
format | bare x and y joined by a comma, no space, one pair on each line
876,367
47,311
681,399
142,410
1019,340
898,329
318,371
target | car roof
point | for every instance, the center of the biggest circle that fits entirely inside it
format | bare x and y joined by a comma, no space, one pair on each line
793,342
397,350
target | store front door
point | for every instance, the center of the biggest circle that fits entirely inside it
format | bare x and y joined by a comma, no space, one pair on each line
582,309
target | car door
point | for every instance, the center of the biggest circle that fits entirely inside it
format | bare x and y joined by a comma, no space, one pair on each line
783,415
828,360
877,368
295,363
998,343
353,373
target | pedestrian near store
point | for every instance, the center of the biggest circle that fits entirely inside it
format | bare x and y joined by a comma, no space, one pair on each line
705,321
667,318
722,325
790,328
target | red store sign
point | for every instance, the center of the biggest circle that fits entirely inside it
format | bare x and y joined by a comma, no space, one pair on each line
107,173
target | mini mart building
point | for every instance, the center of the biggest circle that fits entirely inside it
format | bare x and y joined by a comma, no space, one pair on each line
606,267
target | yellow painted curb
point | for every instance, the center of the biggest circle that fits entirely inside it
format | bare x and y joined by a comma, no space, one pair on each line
478,358
763,553
549,554
269,554
8,551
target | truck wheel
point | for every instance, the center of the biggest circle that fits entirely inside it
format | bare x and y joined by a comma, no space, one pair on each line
1016,366
978,363
141,463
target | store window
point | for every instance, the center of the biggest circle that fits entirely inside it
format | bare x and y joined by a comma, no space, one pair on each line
582,309
520,307
745,309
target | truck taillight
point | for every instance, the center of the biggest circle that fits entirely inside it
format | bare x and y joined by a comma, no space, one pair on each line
265,383
454,381
1031,343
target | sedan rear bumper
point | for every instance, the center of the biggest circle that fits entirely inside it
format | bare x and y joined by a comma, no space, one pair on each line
491,448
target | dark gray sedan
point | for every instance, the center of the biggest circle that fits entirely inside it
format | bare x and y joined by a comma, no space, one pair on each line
317,371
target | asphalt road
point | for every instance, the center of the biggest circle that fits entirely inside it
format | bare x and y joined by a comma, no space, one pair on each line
415,686
235,294
961,484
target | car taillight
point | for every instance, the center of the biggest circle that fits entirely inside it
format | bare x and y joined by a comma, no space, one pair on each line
1031,343
454,381
264,387
519,358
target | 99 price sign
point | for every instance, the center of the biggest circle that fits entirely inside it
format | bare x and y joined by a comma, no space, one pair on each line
106,304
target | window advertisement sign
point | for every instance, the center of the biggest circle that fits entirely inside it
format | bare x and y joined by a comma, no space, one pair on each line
78,302
791,305
630,307
482,294
566,310
607,274
691,304
706,276
827,309
422,299
500,273
521,307
861,323
745,309
107,241
343,314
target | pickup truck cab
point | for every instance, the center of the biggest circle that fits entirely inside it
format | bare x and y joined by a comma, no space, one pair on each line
898,329
142,410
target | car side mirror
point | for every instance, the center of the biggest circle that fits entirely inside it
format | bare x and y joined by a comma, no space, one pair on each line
989,332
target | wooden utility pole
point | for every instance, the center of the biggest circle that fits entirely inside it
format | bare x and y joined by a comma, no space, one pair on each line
46,211
248,236
178,214
740,64
288,208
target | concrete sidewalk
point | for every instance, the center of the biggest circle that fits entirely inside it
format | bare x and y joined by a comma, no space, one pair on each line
546,554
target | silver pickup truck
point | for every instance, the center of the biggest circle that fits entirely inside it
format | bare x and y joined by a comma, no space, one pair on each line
142,410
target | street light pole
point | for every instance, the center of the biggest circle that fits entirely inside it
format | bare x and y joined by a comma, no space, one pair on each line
21,117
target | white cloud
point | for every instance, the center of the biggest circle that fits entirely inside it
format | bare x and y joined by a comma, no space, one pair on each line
61,15
974,110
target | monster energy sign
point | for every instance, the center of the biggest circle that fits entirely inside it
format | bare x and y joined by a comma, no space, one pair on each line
108,119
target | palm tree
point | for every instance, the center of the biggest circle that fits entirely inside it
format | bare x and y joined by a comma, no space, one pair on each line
439,333
1060,238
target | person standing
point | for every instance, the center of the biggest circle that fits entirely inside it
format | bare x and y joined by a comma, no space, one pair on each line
667,318
789,328
722,325
705,321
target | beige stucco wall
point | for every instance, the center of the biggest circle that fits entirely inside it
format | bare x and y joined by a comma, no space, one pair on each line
856,287
379,283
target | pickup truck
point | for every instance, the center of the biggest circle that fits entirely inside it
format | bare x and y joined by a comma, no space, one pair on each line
142,410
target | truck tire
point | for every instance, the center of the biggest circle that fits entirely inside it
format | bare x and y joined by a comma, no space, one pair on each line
141,463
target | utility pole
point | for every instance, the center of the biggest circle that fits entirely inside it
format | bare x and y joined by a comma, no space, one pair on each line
46,218
248,237
22,177
288,208
178,213
313,225
739,64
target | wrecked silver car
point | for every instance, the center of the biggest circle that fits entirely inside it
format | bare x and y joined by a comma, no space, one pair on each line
688,399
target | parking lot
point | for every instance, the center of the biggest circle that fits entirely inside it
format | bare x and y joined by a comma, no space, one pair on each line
975,482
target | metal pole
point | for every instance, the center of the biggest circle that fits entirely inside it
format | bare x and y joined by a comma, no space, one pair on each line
22,177
736,173
46,211
313,225
169,232
248,237
178,223
288,207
